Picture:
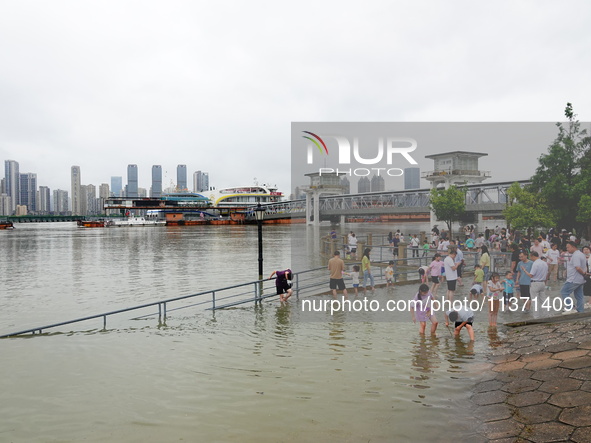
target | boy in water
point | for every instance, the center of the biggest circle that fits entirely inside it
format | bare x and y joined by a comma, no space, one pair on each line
461,318
354,278
475,291
509,287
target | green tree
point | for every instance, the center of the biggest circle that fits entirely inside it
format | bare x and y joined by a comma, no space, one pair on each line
449,205
584,213
558,176
527,209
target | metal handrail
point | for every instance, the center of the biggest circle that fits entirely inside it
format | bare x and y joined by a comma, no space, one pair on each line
305,282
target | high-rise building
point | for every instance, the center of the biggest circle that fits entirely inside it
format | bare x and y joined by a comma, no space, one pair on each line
92,207
363,185
181,178
60,202
83,200
132,181
3,186
43,200
377,183
28,191
200,181
12,182
5,204
116,186
346,184
156,191
142,192
76,191
412,178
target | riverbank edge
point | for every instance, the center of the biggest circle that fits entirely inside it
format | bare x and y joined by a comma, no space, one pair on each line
538,387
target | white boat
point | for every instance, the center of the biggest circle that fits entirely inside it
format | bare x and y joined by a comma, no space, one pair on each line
134,221
243,196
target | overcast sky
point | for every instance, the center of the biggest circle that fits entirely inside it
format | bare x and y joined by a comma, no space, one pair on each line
216,85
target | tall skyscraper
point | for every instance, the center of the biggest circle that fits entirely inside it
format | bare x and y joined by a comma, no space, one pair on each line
363,185
412,178
377,183
76,191
28,191
60,202
200,181
91,200
12,184
5,204
132,181
83,200
181,178
156,181
116,186
44,200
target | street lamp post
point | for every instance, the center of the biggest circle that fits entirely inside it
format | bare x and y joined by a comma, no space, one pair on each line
259,214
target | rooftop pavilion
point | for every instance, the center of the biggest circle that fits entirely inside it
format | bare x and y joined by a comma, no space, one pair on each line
456,168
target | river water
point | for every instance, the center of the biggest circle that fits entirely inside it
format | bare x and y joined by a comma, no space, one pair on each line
248,374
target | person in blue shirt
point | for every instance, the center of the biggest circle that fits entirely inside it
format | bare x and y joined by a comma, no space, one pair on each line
523,278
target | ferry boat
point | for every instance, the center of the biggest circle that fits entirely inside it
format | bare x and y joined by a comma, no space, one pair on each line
6,225
131,221
244,196
91,223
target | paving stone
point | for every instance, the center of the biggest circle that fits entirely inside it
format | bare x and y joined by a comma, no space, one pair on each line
489,398
521,385
586,386
509,366
542,364
551,374
568,355
510,376
548,432
582,435
576,363
570,399
528,398
560,346
585,345
530,349
536,357
502,429
490,385
537,414
579,416
581,374
504,358
525,343
560,385
496,412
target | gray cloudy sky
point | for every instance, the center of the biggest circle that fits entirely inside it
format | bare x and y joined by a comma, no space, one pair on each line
216,85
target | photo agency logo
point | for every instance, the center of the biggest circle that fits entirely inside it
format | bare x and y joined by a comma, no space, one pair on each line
359,160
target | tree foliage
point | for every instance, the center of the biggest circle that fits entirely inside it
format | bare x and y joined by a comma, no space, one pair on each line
527,209
562,176
449,205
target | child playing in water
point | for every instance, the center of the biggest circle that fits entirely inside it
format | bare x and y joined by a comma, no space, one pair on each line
354,278
420,309
462,318
389,274
494,291
435,272
475,291
423,273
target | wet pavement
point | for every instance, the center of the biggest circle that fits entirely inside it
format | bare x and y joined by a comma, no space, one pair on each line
538,388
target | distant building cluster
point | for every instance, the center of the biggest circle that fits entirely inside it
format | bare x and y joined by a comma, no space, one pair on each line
21,195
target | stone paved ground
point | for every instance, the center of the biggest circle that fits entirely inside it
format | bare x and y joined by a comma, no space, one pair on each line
539,388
